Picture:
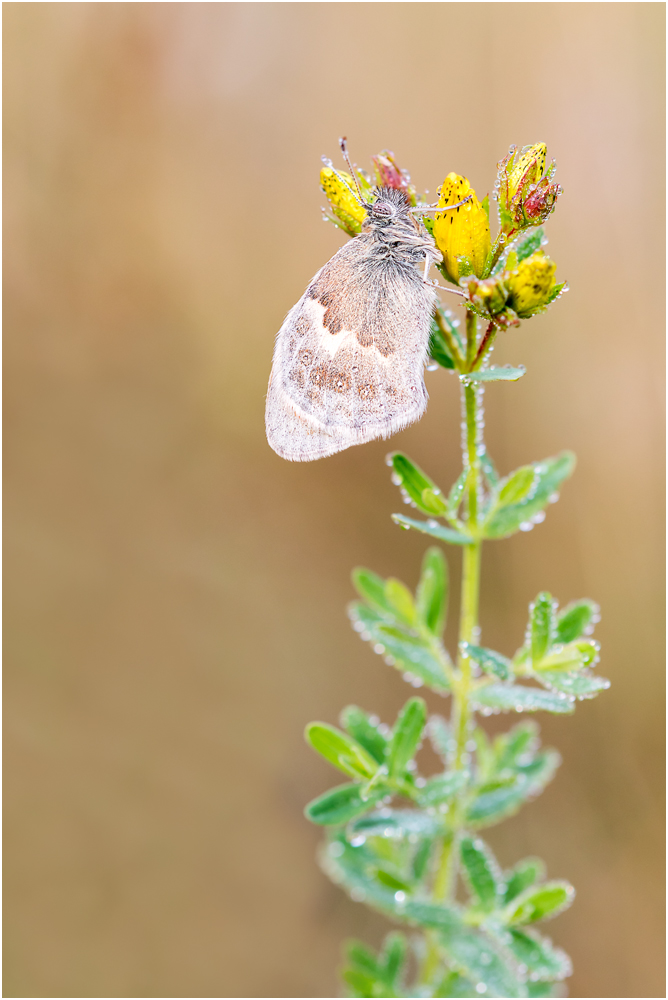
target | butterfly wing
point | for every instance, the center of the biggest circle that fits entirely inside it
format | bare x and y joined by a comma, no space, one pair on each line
349,358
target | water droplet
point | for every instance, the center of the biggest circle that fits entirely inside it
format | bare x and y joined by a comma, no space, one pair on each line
358,841
480,988
400,896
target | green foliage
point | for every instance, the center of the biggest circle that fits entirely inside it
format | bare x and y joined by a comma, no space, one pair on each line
405,629
431,597
512,771
403,835
361,727
341,804
442,334
506,374
506,518
434,529
422,491
491,662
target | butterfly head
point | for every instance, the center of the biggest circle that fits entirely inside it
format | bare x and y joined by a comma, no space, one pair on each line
388,206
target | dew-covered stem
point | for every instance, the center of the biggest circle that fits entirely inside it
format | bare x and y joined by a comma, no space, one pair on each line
445,879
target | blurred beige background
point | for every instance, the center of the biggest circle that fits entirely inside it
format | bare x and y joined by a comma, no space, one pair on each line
175,592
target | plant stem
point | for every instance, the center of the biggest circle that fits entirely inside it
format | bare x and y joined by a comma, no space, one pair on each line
485,344
445,882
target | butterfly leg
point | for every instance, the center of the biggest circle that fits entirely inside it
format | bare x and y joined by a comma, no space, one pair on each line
435,284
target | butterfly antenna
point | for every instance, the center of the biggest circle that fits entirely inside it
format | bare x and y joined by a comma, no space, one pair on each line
344,150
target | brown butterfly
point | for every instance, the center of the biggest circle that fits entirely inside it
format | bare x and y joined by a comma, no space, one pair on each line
349,359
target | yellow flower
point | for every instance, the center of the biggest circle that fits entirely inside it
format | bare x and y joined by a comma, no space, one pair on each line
463,232
343,202
531,285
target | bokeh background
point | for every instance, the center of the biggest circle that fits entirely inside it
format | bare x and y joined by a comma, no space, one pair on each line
175,592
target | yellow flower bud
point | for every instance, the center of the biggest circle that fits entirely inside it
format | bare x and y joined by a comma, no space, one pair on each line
531,285
528,168
343,202
524,188
463,232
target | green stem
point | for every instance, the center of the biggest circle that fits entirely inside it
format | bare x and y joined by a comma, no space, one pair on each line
445,881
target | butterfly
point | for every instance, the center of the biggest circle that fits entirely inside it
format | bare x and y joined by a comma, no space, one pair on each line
349,359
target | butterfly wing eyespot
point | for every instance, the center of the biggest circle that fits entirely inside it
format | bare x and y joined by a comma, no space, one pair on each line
349,358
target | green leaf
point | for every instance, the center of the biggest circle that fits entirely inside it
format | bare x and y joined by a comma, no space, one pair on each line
477,958
399,823
516,697
393,957
496,800
574,619
341,750
555,293
569,657
354,868
484,204
341,804
358,724
359,984
527,245
414,483
545,990
406,736
455,985
361,958
515,743
441,788
371,589
578,684
481,871
438,731
542,960
505,374
517,485
431,598
439,350
539,902
548,476
488,467
542,626
420,862
456,493
491,662
400,599
407,652
522,875
434,529
465,267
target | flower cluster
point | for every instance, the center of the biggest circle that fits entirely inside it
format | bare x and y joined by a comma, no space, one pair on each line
504,280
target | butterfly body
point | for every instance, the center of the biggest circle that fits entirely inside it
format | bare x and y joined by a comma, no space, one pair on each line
349,358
